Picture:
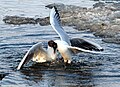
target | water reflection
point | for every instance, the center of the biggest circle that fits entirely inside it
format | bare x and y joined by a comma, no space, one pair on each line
59,75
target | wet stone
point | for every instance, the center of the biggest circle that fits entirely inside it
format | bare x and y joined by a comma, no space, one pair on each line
16,20
43,21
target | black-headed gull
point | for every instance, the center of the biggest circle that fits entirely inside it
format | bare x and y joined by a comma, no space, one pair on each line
38,54
67,46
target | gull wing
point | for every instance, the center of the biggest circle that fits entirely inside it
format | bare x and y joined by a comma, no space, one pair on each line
84,44
56,25
34,50
77,49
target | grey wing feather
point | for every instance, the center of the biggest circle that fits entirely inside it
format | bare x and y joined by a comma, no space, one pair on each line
81,43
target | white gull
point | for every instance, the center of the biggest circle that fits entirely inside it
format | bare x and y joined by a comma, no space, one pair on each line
38,54
66,45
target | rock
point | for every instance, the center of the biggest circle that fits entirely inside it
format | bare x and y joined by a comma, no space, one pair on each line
116,14
99,4
103,19
43,21
117,6
112,40
18,20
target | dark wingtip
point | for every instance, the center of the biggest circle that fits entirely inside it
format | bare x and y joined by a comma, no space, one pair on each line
101,49
57,15
56,10
54,7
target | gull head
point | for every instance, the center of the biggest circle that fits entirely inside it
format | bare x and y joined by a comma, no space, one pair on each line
52,44
52,49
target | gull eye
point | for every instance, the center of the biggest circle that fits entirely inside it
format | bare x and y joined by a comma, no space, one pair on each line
55,45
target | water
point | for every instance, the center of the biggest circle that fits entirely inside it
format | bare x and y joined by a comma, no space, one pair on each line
102,70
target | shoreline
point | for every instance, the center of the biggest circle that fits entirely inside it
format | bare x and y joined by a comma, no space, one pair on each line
103,19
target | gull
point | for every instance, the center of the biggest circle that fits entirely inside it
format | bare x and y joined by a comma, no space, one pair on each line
66,45
38,54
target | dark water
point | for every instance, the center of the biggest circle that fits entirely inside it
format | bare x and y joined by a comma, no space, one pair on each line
102,70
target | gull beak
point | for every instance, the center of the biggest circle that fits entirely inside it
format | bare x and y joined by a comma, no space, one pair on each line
54,49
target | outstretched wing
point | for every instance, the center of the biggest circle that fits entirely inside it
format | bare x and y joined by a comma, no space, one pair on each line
77,49
34,50
84,44
56,25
